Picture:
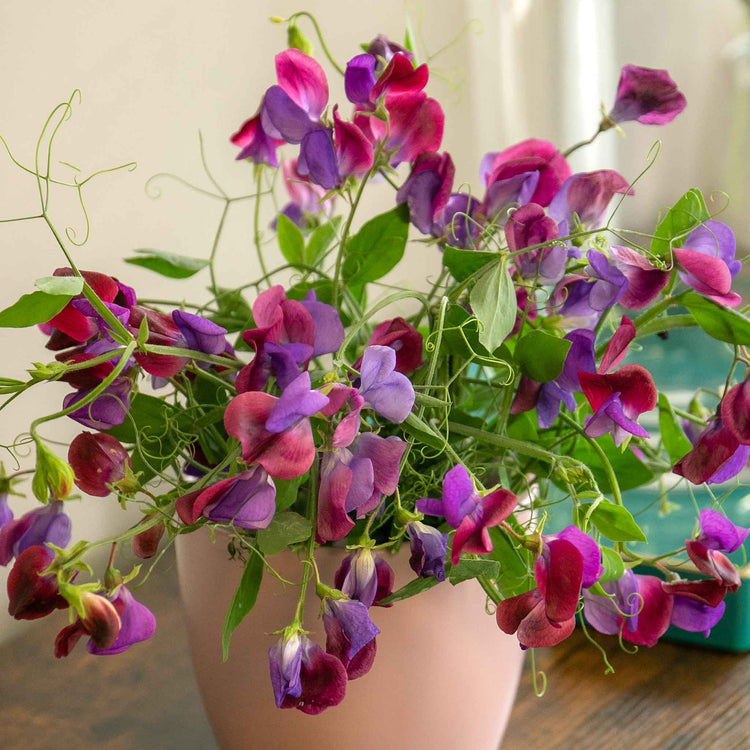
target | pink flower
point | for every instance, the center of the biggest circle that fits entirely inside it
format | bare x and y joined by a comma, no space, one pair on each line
646,95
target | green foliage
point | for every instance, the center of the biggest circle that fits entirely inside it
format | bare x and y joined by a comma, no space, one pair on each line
291,241
466,569
320,240
377,247
493,300
417,586
673,438
720,322
614,521
614,568
286,528
629,470
65,285
234,313
167,264
686,215
244,598
33,309
515,565
541,355
463,263
287,491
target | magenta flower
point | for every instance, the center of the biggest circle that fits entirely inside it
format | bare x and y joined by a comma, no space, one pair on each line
304,676
587,194
356,479
98,461
644,281
617,400
247,501
716,457
735,411
365,577
641,610
545,616
718,535
707,258
646,95
428,550
529,226
529,156
353,151
284,455
404,339
43,525
427,188
468,513
30,594
162,331
255,144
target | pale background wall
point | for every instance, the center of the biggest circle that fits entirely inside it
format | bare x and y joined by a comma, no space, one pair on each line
153,72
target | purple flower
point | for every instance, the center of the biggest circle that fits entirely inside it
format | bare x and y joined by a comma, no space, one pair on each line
247,500
360,78
365,577
350,634
695,617
468,513
427,188
640,609
503,194
137,624
255,144
199,333
644,281
529,226
297,401
6,514
304,676
107,410
285,662
328,328
384,390
428,550
646,95
456,224
40,526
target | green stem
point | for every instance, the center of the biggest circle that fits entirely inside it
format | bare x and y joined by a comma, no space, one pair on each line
581,144
256,226
215,247
323,45
312,511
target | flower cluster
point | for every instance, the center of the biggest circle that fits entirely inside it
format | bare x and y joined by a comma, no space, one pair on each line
306,413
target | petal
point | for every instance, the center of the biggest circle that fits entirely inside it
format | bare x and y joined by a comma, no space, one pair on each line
302,78
510,613
317,159
559,573
718,532
282,118
694,616
655,614
590,552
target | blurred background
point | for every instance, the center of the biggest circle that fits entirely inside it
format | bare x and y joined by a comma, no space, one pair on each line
155,72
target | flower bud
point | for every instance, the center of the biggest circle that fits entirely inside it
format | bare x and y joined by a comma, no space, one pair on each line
31,595
146,543
53,478
100,620
98,461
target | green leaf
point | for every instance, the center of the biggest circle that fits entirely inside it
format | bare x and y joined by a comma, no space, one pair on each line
615,522
244,598
291,241
167,264
468,569
541,355
688,213
493,300
463,263
423,432
417,586
287,491
285,529
67,285
377,247
672,436
516,564
720,322
320,240
234,313
614,568
33,309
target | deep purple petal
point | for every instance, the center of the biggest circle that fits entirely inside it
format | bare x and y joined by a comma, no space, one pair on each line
137,624
317,159
296,402
282,119
200,333
329,331
359,78
589,549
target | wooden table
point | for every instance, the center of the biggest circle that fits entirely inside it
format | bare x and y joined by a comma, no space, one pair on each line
669,697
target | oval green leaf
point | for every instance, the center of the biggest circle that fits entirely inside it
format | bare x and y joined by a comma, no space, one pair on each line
33,309
541,355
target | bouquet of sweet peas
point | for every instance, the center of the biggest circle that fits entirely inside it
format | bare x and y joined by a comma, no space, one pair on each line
309,413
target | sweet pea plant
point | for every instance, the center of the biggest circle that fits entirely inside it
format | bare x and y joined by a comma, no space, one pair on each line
307,414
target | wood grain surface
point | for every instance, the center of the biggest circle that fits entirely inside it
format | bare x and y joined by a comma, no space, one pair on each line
667,698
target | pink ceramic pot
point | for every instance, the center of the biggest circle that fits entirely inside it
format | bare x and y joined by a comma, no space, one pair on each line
444,676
